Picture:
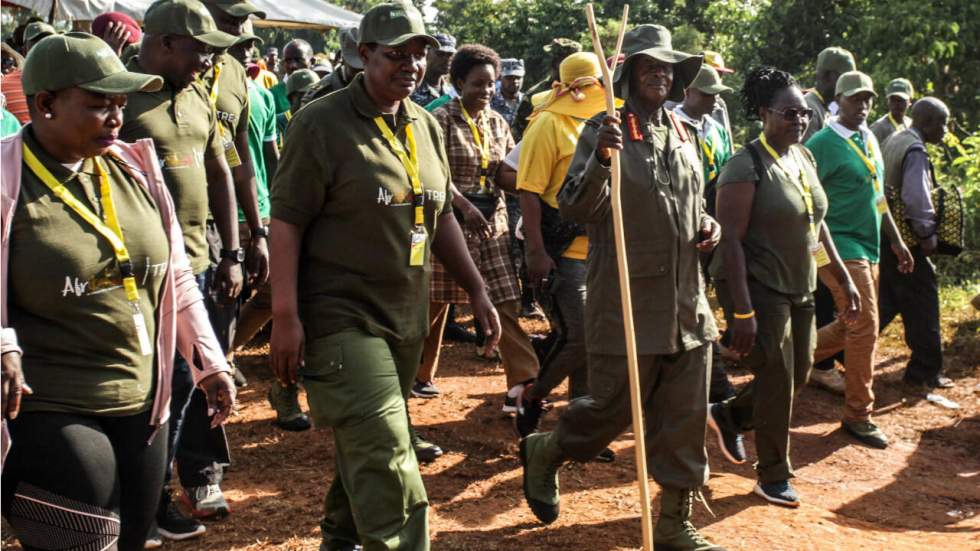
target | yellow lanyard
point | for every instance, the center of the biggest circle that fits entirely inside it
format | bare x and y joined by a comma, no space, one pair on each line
214,85
109,229
867,162
410,161
895,124
800,181
482,144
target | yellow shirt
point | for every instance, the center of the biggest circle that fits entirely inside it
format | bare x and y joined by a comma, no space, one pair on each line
546,151
267,79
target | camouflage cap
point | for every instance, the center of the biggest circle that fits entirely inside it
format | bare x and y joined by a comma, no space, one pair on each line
562,47
300,81
81,60
709,81
185,18
37,30
900,87
854,82
835,59
237,8
511,67
393,25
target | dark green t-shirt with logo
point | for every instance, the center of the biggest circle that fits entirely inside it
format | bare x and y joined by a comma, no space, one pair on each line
354,200
66,300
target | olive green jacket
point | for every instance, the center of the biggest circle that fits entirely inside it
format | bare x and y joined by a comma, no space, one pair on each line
662,212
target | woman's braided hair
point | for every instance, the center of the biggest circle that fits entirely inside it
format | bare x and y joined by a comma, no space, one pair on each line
760,89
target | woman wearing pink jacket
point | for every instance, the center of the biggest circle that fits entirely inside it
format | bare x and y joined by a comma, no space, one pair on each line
97,294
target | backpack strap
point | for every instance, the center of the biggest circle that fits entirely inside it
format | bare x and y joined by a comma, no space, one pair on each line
756,161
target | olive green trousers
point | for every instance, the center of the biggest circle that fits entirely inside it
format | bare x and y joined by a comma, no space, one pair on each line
674,393
357,384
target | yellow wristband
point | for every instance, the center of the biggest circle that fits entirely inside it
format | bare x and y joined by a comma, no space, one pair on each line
750,315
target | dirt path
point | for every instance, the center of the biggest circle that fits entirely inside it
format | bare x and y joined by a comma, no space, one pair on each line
923,492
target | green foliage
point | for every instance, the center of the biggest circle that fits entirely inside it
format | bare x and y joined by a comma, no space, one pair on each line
957,163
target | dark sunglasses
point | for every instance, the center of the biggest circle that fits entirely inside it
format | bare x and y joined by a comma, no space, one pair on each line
792,114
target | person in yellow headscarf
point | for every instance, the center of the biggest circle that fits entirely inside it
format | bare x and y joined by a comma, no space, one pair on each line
556,250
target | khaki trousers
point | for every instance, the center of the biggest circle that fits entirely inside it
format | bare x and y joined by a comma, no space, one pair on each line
516,353
858,341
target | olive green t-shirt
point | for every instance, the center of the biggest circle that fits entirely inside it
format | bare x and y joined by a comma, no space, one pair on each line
231,103
776,242
351,195
66,301
184,129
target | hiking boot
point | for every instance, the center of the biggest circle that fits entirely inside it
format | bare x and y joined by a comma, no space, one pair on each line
511,398
457,333
729,439
425,451
153,540
605,456
173,525
238,376
529,412
780,492
541,457
205,501
867,433
674,531
828,379
285,400
424,390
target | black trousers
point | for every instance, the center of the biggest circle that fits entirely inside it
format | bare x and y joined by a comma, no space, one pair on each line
826,313
83,482
916,297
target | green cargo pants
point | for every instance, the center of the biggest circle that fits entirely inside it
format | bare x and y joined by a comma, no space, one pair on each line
785,337
357,383
674,391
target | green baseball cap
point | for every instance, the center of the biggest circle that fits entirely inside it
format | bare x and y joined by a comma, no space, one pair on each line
300,81
37,30
82,60
854,82
237,8
185,18
835,59
560,48
393,25
900,87
709,81
348,48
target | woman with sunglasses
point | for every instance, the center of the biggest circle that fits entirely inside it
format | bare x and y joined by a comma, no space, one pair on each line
771,208
99,292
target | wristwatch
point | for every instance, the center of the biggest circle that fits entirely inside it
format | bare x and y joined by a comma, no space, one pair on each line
261,231
238,255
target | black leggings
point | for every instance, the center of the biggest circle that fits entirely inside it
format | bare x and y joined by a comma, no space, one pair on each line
83,482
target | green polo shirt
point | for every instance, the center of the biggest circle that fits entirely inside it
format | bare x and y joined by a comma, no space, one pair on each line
66,301
776,242
261,130
183,126
353,199
231,102
852,217
281,97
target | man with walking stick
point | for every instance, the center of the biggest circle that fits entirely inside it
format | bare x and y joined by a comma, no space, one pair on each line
665,229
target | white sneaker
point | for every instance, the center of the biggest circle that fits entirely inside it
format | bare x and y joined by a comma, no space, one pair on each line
828,379
510,400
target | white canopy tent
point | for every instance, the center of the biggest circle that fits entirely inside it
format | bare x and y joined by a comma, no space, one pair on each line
309,14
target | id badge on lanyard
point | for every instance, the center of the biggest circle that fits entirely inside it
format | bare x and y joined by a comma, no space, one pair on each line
110,230
409,160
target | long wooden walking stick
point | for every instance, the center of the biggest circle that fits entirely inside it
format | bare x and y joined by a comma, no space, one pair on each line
646,520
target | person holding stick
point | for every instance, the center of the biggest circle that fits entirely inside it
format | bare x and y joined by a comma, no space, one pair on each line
666,228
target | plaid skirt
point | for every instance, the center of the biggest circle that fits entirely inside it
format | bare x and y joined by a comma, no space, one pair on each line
493,261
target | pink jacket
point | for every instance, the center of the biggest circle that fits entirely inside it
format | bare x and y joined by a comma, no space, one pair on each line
182,321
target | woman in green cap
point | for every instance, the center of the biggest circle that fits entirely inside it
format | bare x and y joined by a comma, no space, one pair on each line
666,230
771,206
99,293
356,218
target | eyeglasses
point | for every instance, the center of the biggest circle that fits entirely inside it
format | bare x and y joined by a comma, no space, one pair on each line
792,114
